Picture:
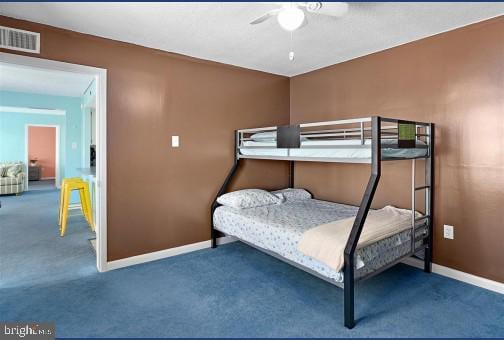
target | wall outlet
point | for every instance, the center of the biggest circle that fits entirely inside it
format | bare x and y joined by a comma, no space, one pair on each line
449,232
175,141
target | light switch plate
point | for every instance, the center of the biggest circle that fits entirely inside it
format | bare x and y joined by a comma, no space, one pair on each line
449,232
175,141
74,145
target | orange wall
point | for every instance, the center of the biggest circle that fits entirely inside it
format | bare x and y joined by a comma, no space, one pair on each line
42,146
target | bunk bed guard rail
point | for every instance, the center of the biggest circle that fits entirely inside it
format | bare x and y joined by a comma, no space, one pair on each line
374,135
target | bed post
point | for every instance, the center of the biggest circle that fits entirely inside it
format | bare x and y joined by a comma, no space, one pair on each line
222,190
353,239
429,182
291,174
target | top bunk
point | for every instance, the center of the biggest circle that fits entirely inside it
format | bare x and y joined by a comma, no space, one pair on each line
358,140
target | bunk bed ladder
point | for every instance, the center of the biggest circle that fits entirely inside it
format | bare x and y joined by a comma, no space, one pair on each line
427,188
421,220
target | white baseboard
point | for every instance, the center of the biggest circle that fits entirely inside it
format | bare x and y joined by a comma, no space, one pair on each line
158,255
478,281
494,286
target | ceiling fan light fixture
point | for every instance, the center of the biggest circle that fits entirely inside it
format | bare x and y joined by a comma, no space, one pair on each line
291,18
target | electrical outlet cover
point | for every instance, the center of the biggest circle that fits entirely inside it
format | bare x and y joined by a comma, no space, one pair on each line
449,232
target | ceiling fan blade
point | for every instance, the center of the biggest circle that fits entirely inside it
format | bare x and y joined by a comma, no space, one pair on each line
265,17
333,9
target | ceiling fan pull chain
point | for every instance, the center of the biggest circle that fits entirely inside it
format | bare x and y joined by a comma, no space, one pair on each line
291,53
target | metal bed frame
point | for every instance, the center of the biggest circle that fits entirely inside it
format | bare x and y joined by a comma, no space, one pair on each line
374,129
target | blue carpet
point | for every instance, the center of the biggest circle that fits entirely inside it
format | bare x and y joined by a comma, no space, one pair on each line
232,291
31,250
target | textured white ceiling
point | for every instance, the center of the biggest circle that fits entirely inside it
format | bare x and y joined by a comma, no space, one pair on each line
220,31
33,80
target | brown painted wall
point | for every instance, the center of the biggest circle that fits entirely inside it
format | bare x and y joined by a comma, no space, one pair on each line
455,80
159,197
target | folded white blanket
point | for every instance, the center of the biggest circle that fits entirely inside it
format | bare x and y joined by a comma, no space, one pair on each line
326,243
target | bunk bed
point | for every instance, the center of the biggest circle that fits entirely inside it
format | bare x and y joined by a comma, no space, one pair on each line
370,140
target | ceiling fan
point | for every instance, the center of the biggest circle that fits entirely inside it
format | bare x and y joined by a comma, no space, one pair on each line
291,15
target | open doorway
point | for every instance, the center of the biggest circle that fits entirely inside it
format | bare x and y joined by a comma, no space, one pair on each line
52,127
42,156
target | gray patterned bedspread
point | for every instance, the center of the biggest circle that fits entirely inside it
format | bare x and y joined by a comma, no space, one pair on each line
278,228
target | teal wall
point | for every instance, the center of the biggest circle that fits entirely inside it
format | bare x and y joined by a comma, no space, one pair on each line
88,100
12,128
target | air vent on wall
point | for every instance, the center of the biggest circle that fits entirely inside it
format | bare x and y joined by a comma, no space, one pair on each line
19,40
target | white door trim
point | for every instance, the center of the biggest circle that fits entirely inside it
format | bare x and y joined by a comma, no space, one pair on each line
57,131
100,75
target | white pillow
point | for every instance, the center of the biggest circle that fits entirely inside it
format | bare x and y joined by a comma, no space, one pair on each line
248,198
268,137
291,194
264,136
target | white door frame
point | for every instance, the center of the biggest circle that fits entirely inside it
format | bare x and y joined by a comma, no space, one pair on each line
57,179
100,76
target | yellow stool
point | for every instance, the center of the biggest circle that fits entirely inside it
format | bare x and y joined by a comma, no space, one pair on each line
63,181
68,185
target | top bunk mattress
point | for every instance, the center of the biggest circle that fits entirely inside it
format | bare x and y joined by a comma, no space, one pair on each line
279,228
343,149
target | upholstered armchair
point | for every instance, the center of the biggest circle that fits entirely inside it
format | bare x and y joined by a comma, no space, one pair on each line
12,178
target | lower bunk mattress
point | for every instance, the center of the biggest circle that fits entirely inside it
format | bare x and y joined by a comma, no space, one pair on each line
278,229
